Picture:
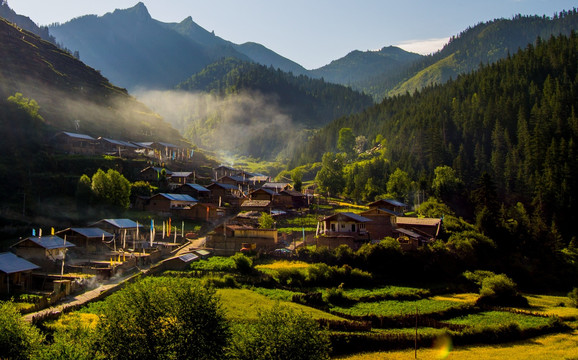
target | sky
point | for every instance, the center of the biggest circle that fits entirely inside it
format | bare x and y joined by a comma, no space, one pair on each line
313,32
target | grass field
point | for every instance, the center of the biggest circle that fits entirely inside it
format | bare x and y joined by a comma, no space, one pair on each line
386,292
550,305
502,318
241,305
554,347
395,308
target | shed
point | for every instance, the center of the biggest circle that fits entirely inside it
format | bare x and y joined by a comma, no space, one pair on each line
14,272
45,250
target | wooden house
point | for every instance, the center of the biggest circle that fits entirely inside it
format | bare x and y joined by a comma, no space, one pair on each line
276,186
154,174
88,240
229,239
389,204
198,211
182,177
15,273
118,148
224,170
44,251
427,227
222,194
256,205
343,228
291,199
197,191
128,234
382,224
262,194
164,202
73,143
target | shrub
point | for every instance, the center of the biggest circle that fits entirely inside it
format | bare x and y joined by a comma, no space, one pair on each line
280,334
18,339
500,290
243,263
573,295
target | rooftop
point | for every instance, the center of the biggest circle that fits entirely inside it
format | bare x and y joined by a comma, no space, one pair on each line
48,242
11,263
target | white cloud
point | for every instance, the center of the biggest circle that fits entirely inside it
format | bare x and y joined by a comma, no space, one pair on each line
424,47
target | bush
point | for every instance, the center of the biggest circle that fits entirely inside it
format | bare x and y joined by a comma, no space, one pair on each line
280,334
163,318
573,295
243,263
18,339
500,290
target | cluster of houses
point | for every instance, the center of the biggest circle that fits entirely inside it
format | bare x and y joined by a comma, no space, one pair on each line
231,190
82,144
384,218
103,249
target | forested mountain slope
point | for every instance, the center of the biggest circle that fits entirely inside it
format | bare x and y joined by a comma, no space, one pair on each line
484,43
283,103
514,120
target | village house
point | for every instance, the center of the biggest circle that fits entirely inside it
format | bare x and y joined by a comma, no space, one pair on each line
291,199
199,211
257,205
197,191
15,273
123,149
343,228
398,208
45,251
164,203
154,174
181,177
127,233
76,144
224,170
276,186
222,194
88,240
229,239
382,224
426,227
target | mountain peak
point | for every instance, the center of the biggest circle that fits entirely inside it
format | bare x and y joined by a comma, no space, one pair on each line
140,11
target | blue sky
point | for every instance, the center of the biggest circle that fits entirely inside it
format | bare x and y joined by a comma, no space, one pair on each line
313,32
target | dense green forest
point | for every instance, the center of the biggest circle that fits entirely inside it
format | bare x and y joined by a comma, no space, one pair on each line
484,43
514,121
269,108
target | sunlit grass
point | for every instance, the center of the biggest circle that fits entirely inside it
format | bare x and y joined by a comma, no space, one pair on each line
283,264
557,346
551,305
464,297
395,308
242,305
502,318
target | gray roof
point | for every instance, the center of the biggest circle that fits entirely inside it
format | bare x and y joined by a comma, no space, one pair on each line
198,187
394,213
10,263
389,201
120,223
352,216
226,186
118,142
268,191
181,173
188,257
178,197
167,144
78,136
92,232
48,242
409,233
275,185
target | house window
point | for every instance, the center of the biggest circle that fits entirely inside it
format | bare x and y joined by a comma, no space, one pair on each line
332,227
352,227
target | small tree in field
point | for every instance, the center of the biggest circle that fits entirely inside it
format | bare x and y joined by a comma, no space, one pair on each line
266,221
18,339
163,318
280,334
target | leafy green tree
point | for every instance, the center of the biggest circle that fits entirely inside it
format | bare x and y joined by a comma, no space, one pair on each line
111,188
297,178
346,141
266,221
83,191
280,334
26,104
76,341
399,185
18,339
330,177
163,318
445,183
140,188
243,263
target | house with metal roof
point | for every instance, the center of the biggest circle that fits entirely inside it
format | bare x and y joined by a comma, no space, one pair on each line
88,240
343,228
155,174
164,202
389,204
44,251
14,273
73,143
181,177
128,233
117,147
197,191
222,194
